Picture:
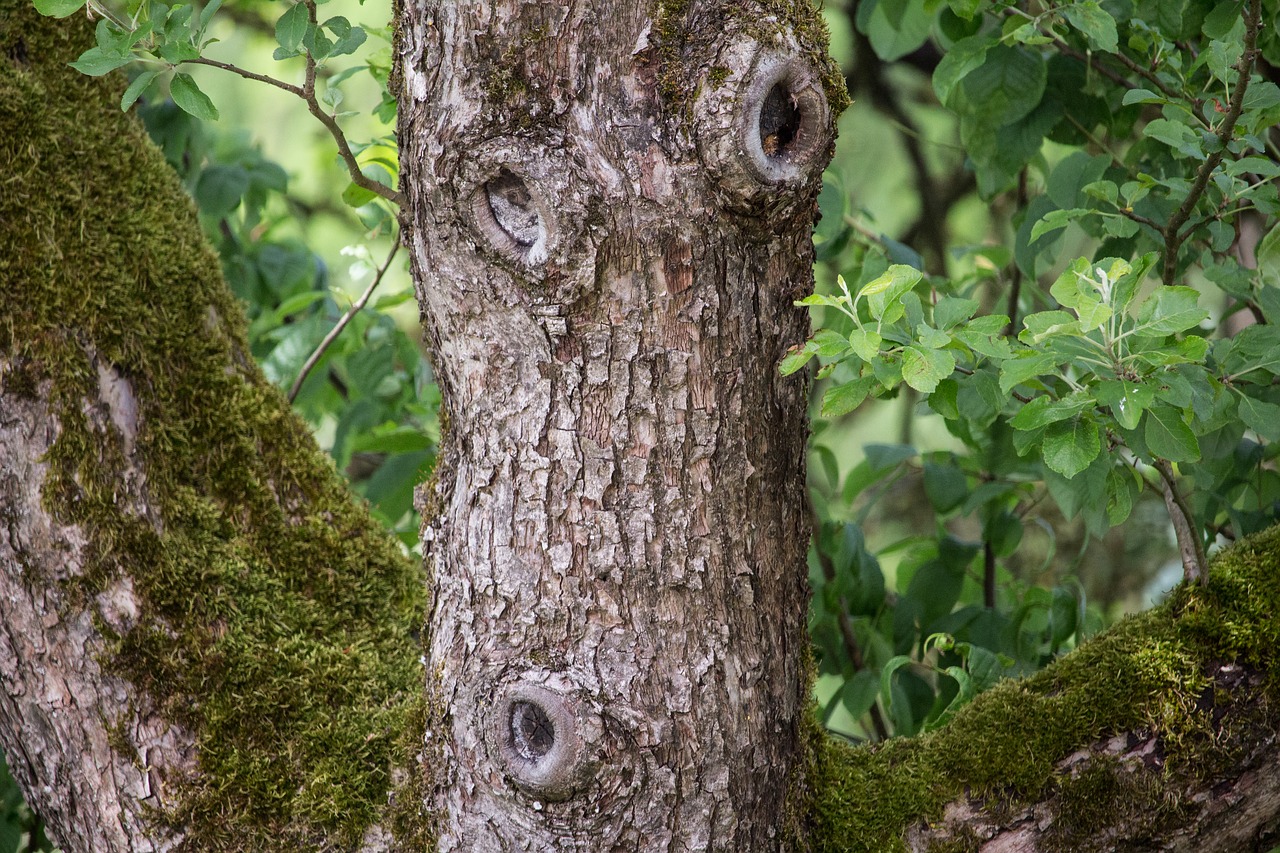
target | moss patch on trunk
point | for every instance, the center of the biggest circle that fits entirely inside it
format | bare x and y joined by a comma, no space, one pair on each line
278,620
1155,672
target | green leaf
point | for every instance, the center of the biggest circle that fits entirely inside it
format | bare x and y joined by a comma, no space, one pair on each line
1142,96
830,343
1222,19
187,95
1047,324
865,343
966,9
1260,416
1077,170
964,56
291,29
1016,371
207,13
886,678
845,397
220,189
896,28
1045,410
884,293
137,87
1254,348
348,38
358,196
1177,136
945,485
1268,255
1055,219
1069,446
95,61
58,8
923,369
797,358
952,310
1122,488
1128,400
1095,22
1006,87
1169,311
859,693
1168,436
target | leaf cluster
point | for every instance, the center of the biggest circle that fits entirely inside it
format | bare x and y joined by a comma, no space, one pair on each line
1116,343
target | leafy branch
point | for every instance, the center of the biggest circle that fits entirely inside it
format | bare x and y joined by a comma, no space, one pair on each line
1173,232
174,36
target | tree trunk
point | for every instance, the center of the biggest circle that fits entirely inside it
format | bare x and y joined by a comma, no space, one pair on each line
610,218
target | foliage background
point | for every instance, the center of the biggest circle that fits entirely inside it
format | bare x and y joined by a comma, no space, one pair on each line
943,558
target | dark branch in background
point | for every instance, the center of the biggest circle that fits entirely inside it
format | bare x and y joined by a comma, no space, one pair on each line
851,647
1015,283
342,323
988,576
1174,233
1092,61
868,76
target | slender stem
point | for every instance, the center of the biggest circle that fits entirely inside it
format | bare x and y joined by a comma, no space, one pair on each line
307,91
248,75
342,323
1174,234
988,576
851,647
1190,544
331,124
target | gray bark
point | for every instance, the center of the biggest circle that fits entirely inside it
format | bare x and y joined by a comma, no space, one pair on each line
59,708
607,236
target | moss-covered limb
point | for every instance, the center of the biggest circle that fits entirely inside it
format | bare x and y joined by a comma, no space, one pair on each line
1136,740
259,610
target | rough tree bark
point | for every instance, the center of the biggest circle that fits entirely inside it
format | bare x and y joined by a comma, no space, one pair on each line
205,644
609,216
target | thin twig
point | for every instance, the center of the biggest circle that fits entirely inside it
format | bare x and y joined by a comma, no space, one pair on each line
1190,545
331,124
307,91
249,75
1174,234
342,323
851,647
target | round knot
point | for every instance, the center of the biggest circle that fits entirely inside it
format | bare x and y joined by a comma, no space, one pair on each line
545,740
765,132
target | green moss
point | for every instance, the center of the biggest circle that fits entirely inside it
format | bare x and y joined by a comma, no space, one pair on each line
1160,672
277,620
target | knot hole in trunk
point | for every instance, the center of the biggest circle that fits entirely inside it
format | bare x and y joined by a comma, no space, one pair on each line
765,132
511,218
545,740
532,732
784,123
779,121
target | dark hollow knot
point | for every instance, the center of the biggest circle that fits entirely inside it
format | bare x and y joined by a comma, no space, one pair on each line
532,732
513,209
779,121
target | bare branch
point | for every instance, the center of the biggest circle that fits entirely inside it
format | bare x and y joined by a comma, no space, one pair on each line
342,323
